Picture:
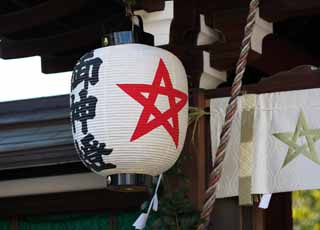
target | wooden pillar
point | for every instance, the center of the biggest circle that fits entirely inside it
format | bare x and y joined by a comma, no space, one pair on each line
195,165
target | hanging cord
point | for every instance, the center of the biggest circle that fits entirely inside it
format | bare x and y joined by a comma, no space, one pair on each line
195,115
215,175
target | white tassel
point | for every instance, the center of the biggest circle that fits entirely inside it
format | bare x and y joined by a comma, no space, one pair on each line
140,223
155,203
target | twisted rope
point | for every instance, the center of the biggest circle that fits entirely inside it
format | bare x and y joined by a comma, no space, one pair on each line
215,175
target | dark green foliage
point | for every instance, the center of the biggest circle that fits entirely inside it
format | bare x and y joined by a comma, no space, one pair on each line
176,211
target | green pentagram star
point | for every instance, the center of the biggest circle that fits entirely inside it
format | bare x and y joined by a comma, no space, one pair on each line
308,149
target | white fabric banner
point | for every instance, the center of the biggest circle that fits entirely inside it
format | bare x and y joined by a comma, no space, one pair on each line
286,146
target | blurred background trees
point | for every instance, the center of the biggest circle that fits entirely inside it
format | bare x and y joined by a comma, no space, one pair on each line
306,210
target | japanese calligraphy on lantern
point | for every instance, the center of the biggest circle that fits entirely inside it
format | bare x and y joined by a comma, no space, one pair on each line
83,110
91,153
86,70
89,149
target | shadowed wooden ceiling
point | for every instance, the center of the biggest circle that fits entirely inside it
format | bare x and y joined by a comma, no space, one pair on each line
60,31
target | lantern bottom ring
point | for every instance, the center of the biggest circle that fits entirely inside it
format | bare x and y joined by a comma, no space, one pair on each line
129,182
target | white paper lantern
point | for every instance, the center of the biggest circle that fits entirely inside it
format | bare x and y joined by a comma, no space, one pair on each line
129,109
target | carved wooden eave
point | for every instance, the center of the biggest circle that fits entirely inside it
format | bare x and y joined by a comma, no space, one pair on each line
190,29
158,23
195,39
190,39
210,77
229,18
231,24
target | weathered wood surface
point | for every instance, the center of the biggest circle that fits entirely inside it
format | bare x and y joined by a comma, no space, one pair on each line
60,37
48,170
61,31
195,150
270,10
83,201
279,10
36,132
296,79
40,14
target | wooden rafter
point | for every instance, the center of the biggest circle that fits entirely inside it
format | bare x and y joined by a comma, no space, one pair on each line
83,201
38,15
60,63
279,54
277,10
67,42
149,5
79,38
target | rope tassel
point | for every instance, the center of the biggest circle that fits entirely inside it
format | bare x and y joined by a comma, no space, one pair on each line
215,175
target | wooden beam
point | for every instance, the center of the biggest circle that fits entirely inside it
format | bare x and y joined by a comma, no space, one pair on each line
296,79
231,22
34,110
277,216
149,5
184,29
226,215
49,170
223,56
45,46
183,39
271,10
40,14
259,217
279,213
36,132
208,7
230,18
291,55
279,10
87,36
83,201
54,155
60,63
195,165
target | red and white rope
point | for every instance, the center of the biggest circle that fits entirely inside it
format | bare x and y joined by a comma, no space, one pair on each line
215,175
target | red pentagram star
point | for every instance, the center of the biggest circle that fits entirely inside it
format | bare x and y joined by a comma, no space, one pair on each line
145,125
